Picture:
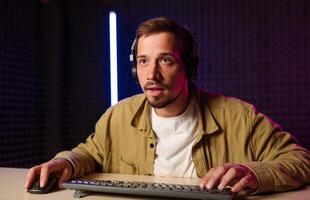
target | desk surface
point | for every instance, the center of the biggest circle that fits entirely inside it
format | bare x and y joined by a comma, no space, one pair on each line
12,187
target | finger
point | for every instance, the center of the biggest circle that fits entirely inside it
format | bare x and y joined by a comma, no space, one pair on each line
31,176
206,178
243,183
227,178
52,166
216,176
249,181
64,177
45,170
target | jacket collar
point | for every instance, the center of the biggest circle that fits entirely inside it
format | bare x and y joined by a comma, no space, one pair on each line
141,118
206,121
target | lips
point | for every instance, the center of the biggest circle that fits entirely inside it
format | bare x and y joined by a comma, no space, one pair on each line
154,91
154,88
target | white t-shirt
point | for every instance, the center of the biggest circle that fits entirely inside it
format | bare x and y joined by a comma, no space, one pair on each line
175,138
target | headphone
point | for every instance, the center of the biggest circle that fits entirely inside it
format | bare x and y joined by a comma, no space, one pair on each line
191,63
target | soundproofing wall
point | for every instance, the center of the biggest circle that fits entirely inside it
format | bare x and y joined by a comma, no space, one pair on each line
54,82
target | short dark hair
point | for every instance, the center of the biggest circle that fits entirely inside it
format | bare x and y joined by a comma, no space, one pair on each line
165,24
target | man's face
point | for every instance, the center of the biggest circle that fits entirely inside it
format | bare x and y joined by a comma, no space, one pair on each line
160,69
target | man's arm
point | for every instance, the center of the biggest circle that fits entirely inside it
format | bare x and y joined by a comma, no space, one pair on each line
86,157
77,162
279,164
282,164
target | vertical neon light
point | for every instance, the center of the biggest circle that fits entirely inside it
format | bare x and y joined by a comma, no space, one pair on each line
113,58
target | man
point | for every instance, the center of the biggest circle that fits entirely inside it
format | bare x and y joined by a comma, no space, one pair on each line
175,129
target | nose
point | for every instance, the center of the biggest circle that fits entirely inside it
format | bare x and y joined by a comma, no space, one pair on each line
154,72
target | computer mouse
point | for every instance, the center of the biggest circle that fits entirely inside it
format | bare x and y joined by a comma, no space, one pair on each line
52,184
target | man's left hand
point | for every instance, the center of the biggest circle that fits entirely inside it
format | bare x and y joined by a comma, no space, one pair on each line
235,175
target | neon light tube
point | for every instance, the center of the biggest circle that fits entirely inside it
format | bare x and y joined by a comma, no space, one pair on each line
113,58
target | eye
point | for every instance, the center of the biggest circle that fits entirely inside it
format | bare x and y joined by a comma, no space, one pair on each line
142,61
167,60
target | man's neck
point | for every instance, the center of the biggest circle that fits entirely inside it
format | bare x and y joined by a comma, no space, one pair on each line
177,107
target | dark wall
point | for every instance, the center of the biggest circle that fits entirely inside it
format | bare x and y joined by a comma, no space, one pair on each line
19,86
54,83
73,53
54,64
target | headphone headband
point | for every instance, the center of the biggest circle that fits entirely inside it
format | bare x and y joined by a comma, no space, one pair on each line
132,52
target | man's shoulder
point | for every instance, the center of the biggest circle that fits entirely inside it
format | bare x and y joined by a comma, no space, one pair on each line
125,108
129,103
133,100
220,102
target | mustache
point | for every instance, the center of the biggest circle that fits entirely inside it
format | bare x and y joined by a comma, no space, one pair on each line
149,84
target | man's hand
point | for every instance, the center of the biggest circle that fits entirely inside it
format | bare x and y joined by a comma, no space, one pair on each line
60,167
235,175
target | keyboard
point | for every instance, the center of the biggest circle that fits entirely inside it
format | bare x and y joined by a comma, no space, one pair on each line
82,186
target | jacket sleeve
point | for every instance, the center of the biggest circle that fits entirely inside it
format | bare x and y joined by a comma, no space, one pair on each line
280,163
86,157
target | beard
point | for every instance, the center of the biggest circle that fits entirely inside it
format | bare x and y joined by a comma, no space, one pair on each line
157,102
160,101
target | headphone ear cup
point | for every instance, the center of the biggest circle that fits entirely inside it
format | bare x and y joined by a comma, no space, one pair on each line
134,72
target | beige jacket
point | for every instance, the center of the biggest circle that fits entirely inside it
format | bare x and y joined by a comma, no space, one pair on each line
229,130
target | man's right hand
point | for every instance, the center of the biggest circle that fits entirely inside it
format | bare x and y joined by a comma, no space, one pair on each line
59,167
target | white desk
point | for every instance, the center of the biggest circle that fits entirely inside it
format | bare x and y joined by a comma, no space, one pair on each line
12,187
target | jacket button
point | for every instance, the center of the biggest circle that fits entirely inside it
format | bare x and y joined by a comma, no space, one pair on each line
152,145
